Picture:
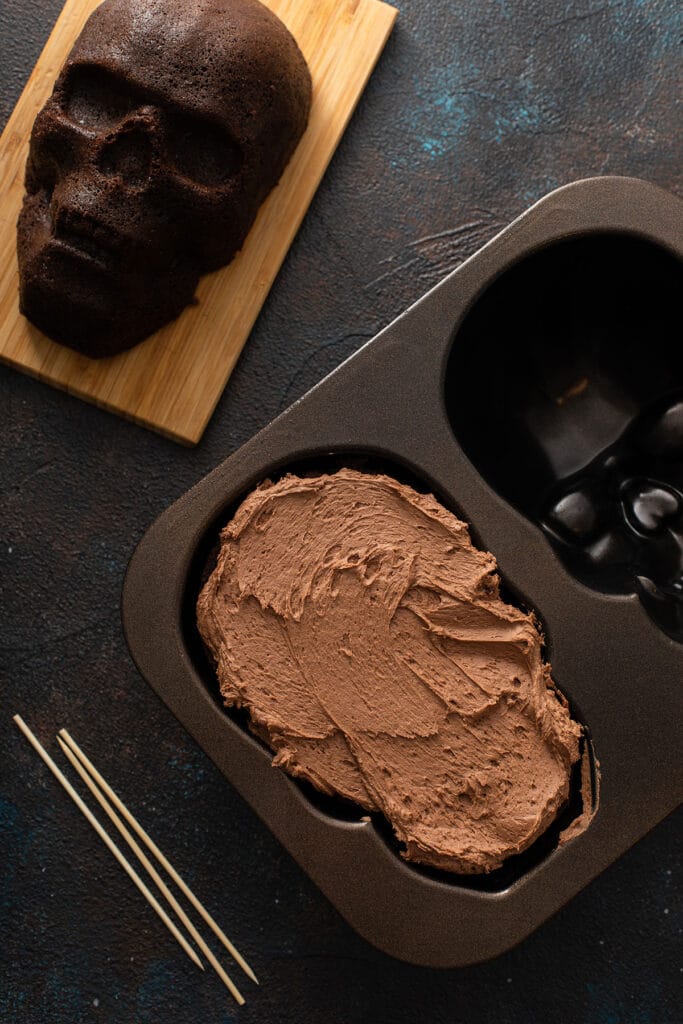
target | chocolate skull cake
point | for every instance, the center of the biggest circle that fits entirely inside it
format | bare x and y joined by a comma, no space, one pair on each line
365,634
168,126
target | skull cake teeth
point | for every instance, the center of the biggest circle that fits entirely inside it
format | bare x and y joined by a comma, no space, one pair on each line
168,126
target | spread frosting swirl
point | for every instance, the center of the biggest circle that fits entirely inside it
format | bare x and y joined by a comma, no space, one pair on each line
365,634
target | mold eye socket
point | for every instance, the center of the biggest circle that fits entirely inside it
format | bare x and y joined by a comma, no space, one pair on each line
96,99
203,152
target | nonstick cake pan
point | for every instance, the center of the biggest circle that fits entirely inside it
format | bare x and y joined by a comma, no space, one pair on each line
538,393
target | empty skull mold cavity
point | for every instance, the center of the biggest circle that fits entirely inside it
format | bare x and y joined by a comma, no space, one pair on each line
565,388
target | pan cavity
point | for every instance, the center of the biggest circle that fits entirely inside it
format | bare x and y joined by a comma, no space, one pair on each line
565,389
582,795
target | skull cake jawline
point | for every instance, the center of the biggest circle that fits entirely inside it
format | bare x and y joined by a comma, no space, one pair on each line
167,128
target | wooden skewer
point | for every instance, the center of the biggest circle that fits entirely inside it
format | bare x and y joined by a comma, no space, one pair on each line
151,845
107,840
151,870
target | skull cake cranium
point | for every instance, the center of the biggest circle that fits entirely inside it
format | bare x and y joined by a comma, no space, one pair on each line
168,126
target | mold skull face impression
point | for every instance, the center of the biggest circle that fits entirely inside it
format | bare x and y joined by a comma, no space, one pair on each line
620,521
167,128
566,390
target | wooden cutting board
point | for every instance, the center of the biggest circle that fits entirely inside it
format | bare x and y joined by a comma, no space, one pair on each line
173,380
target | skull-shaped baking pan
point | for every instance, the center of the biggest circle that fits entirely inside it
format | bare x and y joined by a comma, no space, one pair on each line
168,126
447,399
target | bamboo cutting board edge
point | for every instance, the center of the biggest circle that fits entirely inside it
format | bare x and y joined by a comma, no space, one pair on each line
172,382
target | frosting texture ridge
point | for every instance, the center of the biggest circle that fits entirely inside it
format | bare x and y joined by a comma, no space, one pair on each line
365,635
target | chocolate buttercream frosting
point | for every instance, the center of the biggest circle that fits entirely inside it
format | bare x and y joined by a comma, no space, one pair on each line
365,635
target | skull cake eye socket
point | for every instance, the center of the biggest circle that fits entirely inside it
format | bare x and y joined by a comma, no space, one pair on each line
96,99
203,152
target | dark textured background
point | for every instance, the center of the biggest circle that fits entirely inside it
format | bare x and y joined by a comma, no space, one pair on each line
477,108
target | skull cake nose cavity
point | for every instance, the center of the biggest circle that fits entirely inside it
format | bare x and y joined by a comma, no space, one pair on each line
127,156
649,507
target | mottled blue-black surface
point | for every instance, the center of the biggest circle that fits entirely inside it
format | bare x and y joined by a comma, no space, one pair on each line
476,109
